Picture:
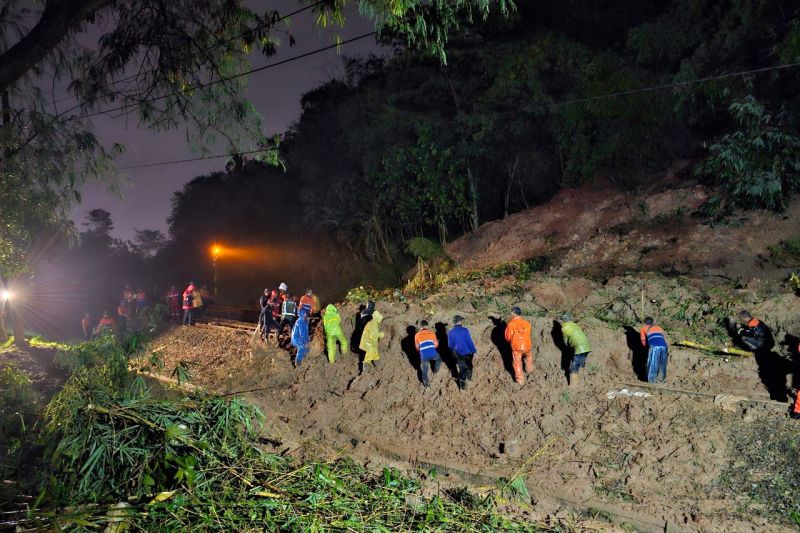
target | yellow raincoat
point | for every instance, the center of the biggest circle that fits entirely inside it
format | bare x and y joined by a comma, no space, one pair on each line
371,337
333,331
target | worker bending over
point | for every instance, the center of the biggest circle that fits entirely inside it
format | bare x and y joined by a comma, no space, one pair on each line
307,302
575,338
654,339
370,340
460,341
752,333
426,342
518,335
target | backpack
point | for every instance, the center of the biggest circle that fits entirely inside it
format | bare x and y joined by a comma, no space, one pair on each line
188,299
288,309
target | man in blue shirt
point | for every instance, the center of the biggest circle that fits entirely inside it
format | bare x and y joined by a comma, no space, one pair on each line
460,342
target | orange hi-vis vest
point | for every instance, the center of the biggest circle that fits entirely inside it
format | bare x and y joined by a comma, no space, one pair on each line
426,343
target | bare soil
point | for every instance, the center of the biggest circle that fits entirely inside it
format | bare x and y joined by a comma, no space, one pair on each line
601,233
654,459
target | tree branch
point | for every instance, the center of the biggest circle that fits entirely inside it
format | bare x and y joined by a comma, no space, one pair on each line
58,19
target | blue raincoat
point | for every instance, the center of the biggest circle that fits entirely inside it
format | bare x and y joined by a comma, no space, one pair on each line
300,336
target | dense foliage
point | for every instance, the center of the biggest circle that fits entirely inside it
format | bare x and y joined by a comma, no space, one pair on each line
118,454
189,61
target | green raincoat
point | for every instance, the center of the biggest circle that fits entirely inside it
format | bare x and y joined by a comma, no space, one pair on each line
575,337
333,331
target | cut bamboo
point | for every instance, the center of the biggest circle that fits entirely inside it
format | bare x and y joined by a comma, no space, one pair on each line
727,350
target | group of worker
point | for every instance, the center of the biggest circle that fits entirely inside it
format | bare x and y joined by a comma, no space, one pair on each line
280,310
749,332
191,302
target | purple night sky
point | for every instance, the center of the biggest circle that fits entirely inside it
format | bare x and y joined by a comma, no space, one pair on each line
146,197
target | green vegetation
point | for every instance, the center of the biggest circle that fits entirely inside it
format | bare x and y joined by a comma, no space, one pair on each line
758,164
116,454
18,406
763,469
786,252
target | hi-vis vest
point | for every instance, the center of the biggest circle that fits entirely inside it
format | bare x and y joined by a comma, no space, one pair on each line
426,344
288,308
654,336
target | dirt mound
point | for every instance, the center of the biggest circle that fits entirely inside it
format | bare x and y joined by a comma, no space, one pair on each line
655,455
601,233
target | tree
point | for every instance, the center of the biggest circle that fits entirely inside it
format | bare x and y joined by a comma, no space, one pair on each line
148,242
758,165
165,63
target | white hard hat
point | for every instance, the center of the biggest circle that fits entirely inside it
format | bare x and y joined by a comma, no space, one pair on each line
282,287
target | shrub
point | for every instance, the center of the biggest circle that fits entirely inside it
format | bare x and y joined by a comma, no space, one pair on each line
758,165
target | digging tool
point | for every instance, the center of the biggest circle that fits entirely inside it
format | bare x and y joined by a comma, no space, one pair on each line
727,350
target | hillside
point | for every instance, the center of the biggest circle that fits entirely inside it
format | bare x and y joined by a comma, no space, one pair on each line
601,233
705,452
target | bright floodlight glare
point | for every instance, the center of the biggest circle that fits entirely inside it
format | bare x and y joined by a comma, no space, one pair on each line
5,296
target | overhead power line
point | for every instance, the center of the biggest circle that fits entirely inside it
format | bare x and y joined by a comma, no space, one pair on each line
227,78
190,159
226,41
673,85
35,133
532,108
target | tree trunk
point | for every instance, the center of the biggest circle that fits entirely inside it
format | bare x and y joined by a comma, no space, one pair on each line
473,185
512,171
18,325
58,19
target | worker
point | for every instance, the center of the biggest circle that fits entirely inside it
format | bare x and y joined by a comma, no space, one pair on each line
518,335
122,315
426,342
332,323
106,323
654,339
307,302
206,295
575,338
197,303
274,303
86,326
141,300
283,291
370,341
300,338
265,314
288,312
174,303
130,299
753,333
188,304
122,309
460,342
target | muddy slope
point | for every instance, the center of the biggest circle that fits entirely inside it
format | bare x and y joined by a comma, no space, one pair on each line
601,233
655,456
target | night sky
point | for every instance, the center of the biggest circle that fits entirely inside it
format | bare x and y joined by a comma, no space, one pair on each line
275,93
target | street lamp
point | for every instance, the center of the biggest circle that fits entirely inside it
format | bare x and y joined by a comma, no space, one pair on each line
216,251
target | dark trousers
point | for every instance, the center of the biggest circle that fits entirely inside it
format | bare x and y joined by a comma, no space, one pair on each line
423,368
464,363
188,316
266,322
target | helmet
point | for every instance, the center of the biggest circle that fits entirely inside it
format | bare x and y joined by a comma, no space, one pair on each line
282,287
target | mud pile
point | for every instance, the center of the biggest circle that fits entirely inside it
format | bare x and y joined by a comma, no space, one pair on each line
601,233
654,455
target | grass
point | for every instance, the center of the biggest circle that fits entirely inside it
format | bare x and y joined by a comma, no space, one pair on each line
786,252
117,454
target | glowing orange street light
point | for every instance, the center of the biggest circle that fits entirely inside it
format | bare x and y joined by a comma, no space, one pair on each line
216,251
